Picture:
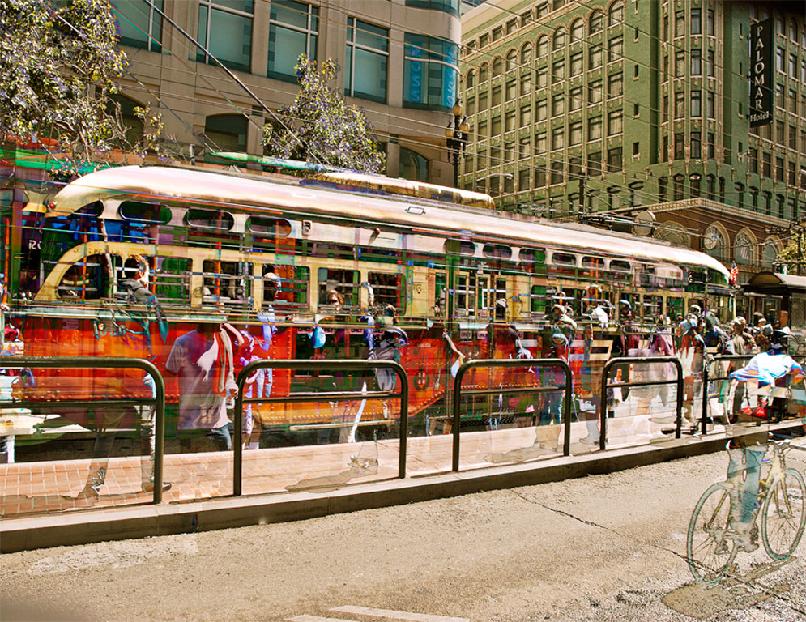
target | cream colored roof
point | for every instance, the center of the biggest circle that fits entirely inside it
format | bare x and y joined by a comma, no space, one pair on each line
179,184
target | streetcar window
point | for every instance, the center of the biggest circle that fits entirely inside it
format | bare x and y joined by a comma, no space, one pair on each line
538,301
389,289
617,265
674,306
653,307
564,259
467,248
285,287
209,219
226,282
440,292
151,213
86,279
532,255
338,290
592,266
497,251
276,227
172,278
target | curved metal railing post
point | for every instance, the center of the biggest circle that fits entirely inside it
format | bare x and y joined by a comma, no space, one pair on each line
641,360
708,378
527,363
322,396
106,362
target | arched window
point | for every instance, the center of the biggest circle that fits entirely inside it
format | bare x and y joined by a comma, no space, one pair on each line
123,108
678,187
715,241
616,14
596,22
769,252
413,166
744,247
470,80
484,72
498,66
559,38
577,30
512,60
542,46
526,53
226,132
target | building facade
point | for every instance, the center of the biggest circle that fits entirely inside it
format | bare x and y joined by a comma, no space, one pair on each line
398,62
623,106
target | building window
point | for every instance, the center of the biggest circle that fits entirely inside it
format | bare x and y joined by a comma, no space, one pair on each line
594,56
575,98
636,149
679,24
766,164
446,6
542,110
429,72
509,152
512,25
710,64
575,133
615,49
526,84
679,146
542,46
594,128
227,132
616,14
540,176
495,125
526,116
779,169
498,32
496,101
575,64
679,63
678,187
557,172
696,62
793,66
696,146
696,103
484,101
557,138
526,53
614,123
780,60
524,148
366,60
558,70
615,85
696,21
541,143
752,156
512,60
709,23
710,105
595,163
596,22
790,173
542,10
524,179
594,92
483,129
574,167
481,159
509,94
509,121
484,73
225,29
679,104
542,77
558,105
559,39
793,142
577,30
614,157
498,66
470,80
711,142
139,24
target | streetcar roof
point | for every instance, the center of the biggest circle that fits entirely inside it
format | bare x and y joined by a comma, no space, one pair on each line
204,187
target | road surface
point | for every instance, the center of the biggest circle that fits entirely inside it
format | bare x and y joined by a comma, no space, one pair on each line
600,548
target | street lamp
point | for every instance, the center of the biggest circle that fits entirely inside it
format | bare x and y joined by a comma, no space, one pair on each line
456,133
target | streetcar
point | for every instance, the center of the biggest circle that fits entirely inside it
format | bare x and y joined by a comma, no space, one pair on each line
323,259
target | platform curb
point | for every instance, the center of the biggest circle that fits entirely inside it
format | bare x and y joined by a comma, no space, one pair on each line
83,527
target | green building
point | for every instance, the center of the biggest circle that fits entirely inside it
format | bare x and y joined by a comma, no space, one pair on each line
638,105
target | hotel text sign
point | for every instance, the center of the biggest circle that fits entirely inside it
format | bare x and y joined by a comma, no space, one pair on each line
761,80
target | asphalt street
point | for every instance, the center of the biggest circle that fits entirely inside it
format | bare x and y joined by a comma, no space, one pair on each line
600,548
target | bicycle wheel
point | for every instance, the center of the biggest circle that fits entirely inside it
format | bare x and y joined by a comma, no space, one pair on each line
783,515
709,549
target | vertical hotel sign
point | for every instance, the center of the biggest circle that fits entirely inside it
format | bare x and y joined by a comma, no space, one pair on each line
761,73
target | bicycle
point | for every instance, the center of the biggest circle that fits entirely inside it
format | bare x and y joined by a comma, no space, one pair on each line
781,502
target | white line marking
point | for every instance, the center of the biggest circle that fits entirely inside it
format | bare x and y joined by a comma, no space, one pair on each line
396,615
318,619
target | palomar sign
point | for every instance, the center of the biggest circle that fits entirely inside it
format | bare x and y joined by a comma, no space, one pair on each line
761,104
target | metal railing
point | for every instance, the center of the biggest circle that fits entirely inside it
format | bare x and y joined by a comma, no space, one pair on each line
322,396
72,362
642,360
509,363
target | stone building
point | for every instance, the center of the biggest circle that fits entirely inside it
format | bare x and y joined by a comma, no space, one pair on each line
398,62
628,106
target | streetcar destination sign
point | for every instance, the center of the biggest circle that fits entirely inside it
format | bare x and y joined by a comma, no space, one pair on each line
761,80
